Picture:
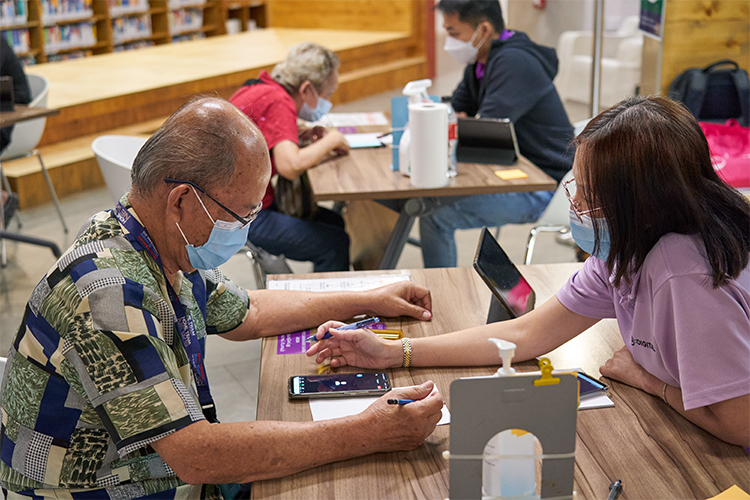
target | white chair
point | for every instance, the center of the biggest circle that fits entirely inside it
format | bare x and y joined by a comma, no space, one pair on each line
26,136
553,220
115,155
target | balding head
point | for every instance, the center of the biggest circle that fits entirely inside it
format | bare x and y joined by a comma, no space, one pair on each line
201,142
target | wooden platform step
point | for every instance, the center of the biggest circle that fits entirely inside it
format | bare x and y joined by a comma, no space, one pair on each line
71,164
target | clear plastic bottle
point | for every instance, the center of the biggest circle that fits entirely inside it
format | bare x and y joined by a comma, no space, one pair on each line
452,137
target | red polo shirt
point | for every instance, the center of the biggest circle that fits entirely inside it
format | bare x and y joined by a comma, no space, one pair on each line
272,109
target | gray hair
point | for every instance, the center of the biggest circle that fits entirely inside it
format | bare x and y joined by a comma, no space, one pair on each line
198,143
306,61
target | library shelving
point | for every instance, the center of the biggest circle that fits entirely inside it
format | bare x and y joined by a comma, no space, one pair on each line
50,30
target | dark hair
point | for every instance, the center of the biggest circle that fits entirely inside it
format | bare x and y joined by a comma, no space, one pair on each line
646,163
474,12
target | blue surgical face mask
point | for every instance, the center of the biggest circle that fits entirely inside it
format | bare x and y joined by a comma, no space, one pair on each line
321,109
225,240
584,235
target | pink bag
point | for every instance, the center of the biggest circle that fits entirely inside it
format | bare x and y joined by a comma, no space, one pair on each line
730,151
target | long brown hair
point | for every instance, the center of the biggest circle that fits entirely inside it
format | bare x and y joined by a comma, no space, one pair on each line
646,163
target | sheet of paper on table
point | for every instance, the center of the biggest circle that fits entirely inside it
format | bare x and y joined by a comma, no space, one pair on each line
352,119
369,140
328,408
352,284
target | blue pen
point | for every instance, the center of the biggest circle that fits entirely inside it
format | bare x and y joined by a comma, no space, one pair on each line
351,326
400,401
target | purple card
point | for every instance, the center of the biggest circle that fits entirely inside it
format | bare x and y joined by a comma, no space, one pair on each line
297,343
347,130
293,343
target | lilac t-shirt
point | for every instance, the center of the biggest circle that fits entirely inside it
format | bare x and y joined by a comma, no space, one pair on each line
677,326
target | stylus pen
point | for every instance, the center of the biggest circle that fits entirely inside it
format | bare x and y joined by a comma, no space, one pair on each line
351,326
614,490
400,401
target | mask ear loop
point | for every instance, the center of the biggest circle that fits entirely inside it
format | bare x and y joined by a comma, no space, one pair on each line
183,234
204,206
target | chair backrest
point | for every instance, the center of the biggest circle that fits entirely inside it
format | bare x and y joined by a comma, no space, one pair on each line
556,213
115,155
26,135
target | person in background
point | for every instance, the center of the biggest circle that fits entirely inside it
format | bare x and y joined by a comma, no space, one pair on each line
507,76
105,393
670,247
12,67
300,86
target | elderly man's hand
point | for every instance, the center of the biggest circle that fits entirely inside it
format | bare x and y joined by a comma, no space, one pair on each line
403,427
403,298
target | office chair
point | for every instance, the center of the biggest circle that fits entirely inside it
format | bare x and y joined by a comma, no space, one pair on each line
26,136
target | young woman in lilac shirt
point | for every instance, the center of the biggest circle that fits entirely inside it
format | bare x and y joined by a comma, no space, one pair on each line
670,243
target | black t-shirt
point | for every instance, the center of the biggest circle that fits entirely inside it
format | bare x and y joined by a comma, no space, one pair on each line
12,67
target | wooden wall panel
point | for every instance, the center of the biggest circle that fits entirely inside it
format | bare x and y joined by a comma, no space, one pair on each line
368,15
698,32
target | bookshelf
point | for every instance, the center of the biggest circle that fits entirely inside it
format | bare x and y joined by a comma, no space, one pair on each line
250,14
52,30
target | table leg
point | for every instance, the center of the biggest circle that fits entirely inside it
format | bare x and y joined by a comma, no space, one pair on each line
397,240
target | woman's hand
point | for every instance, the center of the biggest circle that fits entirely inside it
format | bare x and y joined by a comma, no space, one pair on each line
360,348
622,367
403,298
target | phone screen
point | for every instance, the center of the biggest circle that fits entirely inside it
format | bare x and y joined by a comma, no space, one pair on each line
589,385
339,385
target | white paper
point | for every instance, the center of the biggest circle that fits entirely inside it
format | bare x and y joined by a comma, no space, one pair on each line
428,149
352,119
328,408
352,284
364,140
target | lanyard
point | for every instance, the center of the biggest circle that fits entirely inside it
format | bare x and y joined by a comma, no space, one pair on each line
140,239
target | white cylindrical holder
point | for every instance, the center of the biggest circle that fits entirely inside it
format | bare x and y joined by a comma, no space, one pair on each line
428,151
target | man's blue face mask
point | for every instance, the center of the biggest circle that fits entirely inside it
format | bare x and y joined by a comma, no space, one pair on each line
321,109
225,240
584,235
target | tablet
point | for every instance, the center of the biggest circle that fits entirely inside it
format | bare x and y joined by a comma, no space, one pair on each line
486,140
512,295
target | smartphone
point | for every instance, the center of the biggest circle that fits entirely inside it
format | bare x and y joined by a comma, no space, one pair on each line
338,385
589,386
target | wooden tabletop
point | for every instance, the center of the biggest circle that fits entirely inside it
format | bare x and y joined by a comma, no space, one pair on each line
365,174
654,451
22,113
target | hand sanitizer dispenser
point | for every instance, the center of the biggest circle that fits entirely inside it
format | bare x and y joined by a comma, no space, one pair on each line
509,477
417,92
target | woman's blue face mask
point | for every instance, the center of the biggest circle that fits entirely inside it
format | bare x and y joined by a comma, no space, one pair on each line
225,240
585,237
321,109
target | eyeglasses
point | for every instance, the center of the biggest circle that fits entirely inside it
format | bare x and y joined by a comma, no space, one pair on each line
243,220
570,192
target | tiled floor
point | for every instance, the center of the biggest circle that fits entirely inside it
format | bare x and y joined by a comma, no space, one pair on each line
232,367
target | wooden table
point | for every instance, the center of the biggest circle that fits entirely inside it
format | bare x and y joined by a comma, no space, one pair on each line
365,174
655,452
23,113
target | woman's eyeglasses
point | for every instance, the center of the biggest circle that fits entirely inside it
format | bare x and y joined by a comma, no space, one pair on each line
243,220
570,191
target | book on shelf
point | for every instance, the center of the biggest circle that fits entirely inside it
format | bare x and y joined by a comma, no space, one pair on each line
54,11
18,39
69,36
183,20
121,7
13,12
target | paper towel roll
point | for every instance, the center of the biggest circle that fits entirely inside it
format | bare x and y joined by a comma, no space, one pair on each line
428,151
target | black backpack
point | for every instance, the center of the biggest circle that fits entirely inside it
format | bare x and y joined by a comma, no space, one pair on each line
714,93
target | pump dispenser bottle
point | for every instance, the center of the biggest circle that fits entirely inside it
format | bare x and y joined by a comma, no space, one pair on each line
417,92
508,477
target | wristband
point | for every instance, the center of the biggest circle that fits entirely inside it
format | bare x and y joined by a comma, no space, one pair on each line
406,344
664,394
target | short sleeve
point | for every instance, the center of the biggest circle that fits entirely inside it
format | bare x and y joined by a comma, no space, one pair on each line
227,304
588,292
709,351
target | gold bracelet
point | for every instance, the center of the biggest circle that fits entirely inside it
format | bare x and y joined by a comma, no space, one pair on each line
406,344
664,394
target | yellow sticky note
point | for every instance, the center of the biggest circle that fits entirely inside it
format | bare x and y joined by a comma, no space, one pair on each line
513,173
733,493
